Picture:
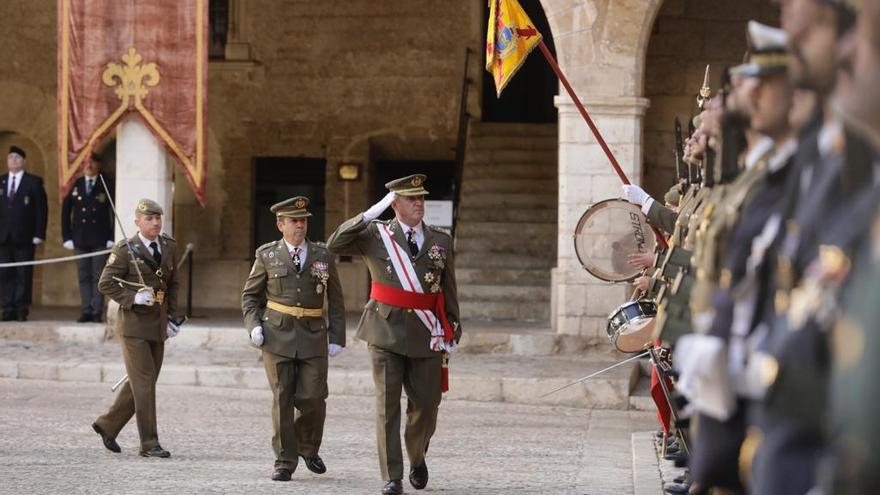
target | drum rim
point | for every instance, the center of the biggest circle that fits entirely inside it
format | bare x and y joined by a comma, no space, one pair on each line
595,206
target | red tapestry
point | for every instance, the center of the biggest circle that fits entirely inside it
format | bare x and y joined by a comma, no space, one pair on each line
126,56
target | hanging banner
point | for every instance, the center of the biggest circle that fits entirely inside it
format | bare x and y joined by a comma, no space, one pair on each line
121,57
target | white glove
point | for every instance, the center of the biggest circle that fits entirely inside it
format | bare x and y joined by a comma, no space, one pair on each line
635,194
257,336
37,241
145,297
110,244
68,245
172,330
378,208
334,349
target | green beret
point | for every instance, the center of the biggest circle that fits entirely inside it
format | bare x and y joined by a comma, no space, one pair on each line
413,185
293,208
148,207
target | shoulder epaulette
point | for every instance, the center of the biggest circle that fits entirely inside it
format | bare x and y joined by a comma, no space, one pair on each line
167,236
440,230
266,246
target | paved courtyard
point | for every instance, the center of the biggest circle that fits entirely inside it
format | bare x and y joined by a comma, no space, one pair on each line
219,439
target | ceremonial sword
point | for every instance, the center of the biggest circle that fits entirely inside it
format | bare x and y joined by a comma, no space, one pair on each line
597,373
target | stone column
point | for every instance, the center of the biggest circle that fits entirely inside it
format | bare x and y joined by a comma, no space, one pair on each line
143,170
581,302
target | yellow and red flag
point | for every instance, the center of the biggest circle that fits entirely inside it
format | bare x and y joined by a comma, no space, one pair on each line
145,58
510,37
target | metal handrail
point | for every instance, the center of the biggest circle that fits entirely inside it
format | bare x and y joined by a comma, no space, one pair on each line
461,141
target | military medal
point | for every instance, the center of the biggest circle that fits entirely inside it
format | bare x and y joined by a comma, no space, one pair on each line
102,197
27,199
319,289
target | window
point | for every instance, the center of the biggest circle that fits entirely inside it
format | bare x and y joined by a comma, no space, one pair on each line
218,19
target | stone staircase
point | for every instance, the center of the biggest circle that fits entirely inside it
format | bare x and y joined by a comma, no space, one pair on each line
506,234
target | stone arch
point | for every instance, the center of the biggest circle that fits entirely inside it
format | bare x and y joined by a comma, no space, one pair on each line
27,118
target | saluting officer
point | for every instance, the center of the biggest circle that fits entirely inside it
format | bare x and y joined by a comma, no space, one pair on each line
140,275
282,302
410,320
23,213
86,227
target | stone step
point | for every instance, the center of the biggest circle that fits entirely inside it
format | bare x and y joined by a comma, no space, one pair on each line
502,293
468,230
515,244
500,276
465,258
483,157
528,215
640,397
478,129
522,200
533,143
507,310
486,377
509,171
480,185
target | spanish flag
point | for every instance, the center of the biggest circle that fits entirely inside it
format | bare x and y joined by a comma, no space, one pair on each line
510,38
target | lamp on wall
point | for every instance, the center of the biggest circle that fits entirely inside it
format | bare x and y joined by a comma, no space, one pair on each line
349,171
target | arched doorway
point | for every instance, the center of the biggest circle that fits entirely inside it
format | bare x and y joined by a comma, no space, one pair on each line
528,97
683,41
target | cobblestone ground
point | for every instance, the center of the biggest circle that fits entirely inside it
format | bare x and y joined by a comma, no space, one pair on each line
219,439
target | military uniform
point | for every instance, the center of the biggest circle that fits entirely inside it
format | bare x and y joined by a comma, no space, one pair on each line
401,347
23,215
286,299
87,222
141,329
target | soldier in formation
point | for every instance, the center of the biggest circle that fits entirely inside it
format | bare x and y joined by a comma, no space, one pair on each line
765,291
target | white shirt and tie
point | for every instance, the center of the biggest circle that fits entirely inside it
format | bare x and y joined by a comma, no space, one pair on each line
90,184
416,233
13,183
302,250
154,246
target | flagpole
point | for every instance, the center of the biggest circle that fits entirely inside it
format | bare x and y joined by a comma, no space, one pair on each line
577,102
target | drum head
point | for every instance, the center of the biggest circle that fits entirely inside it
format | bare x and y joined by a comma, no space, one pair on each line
607,233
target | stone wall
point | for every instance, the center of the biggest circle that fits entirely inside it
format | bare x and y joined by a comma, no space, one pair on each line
353,80
687,35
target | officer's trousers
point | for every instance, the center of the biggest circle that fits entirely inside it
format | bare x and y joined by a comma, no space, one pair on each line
420,377
89,272
16,283
299,384
143,360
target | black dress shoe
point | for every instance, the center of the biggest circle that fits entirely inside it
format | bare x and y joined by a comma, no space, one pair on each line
418,476
393,487
110,443
677,456
84,318
97,318
315,464
8,317
681,478
281,474
22,317
156,451
677,488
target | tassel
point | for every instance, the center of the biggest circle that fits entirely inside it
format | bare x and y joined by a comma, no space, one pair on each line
444,373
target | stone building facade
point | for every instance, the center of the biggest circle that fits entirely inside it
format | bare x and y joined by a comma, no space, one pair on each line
376,82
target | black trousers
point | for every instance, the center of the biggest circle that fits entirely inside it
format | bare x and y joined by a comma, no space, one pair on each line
16,283
89,271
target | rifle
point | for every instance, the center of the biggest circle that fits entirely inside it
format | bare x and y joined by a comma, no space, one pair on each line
680,166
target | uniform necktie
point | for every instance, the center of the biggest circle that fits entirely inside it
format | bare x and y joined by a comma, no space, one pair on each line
411,240
90,183
156,254
297,263
12,189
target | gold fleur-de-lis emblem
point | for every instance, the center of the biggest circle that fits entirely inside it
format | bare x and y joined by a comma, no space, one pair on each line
133,76
417,181
300,203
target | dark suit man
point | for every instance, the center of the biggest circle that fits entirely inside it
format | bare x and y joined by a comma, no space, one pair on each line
86,227
23,215
145,319
282,302
409,322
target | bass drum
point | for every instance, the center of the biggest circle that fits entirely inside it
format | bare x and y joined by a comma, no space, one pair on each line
607,233
631,326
